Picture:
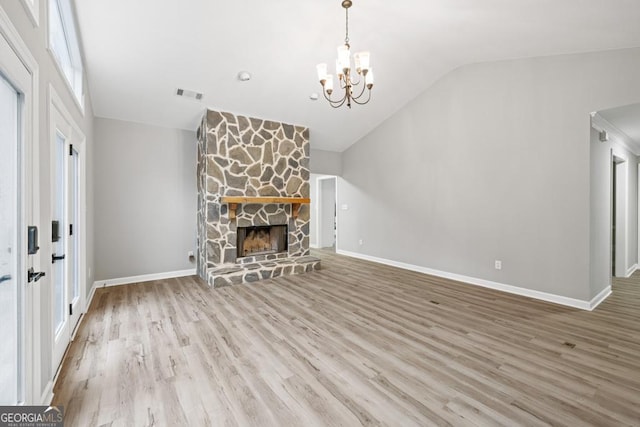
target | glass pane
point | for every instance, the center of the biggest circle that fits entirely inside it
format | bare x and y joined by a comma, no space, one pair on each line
58,41
59,246
64,44
9,283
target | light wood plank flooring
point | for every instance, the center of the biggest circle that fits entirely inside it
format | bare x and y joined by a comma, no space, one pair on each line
356,343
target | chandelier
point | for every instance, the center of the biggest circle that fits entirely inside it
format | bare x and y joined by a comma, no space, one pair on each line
344,72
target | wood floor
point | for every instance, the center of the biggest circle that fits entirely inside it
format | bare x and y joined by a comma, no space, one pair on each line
356,343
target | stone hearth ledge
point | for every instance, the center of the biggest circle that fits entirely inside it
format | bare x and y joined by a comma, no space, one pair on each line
235,274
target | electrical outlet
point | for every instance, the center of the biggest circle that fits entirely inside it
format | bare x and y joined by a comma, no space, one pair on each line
498,264
360,242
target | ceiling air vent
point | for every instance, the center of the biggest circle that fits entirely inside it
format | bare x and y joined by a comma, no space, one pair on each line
189,94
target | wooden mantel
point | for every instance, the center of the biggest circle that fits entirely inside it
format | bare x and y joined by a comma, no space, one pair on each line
234,201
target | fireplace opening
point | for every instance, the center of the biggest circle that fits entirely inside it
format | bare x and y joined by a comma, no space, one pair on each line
261,240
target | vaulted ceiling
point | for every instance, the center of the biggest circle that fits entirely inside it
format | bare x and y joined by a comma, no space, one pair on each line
137,53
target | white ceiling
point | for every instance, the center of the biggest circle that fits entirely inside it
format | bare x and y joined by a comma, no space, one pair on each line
625,119
139,52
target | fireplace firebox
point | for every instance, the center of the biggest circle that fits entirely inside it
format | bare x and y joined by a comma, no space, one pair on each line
261,240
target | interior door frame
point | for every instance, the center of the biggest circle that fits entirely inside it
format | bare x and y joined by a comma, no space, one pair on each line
60,116
619,213
29,209
319,209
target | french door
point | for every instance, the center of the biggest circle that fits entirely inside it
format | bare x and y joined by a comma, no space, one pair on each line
65,232
14,214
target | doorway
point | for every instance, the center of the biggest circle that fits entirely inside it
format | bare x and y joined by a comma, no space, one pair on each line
67,229
327,227
10,257
618,217
15,214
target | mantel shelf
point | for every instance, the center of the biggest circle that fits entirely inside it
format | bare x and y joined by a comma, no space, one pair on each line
234,201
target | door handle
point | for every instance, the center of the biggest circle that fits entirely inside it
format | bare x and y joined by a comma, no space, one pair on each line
5,278
33,276
55,258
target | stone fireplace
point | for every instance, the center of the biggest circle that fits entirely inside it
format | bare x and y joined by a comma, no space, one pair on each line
253,194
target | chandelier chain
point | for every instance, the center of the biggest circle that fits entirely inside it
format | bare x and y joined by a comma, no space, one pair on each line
346,37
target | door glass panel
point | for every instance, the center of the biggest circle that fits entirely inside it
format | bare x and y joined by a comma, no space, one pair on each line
59,245
9,250
73,219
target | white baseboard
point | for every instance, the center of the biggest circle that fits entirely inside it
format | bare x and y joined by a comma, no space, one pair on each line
142,278
92,292
557,299
602,295
632,270
314,246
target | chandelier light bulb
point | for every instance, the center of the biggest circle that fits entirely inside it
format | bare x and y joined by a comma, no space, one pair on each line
344,57
328,86
363,59
322,71
368,78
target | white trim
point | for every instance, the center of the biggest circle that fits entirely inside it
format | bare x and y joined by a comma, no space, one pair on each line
31,213
60,119
632,270
595,301
143,278
318,205
47,394
314,246
600,124
92,292
33,9
558,299
76,101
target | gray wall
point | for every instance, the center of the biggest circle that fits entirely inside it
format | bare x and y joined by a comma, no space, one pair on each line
491,162
145,184
36,40
325,162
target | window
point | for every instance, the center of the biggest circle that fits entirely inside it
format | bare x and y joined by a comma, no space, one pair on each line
64,45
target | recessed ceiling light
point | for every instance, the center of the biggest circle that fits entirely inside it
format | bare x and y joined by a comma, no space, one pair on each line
313,96
244,76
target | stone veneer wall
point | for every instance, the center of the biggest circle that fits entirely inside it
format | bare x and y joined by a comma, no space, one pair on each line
242,156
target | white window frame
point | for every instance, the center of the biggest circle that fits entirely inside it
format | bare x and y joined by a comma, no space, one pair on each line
72,40
33,7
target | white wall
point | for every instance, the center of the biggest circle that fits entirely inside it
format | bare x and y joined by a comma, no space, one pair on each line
145,201
490,163
35,37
